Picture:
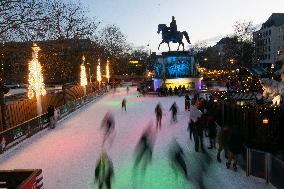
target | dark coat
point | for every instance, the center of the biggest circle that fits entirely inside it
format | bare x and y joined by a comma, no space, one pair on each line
50,111
236,143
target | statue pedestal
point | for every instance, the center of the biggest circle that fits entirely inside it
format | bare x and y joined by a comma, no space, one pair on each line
177,68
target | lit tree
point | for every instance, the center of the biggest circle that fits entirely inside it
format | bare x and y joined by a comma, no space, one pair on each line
83,75
107,71
36,84
99,75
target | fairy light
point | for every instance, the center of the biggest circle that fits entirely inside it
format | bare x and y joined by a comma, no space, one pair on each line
83,76
99,76
107,71
35,78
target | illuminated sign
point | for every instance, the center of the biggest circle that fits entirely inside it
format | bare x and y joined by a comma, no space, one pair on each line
133,61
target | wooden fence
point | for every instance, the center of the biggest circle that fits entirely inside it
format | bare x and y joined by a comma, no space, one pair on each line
25,110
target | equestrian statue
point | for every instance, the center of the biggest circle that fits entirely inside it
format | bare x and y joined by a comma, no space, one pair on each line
172,34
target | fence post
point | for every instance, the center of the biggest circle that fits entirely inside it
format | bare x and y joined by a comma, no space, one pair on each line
248,162
267,166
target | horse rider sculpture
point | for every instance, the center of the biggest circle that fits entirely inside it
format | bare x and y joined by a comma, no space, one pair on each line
171,34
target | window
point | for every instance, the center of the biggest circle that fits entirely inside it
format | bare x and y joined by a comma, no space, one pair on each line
268,48
269,32
269,56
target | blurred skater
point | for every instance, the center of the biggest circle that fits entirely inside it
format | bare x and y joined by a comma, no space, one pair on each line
223,141
174,110
159,114
123,104
187,102
104,171
144,148
236,144
191,129
177,159
108,124
127,89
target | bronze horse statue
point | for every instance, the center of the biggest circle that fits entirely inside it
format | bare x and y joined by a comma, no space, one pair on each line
175,37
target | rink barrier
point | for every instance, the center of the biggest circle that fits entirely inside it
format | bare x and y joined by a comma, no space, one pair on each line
20,179
262,165
19,133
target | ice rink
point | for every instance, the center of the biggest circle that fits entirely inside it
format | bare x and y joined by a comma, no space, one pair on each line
68,154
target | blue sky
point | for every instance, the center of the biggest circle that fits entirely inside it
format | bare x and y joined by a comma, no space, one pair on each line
202,19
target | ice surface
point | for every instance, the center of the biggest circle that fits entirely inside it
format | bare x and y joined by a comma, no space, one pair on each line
68,153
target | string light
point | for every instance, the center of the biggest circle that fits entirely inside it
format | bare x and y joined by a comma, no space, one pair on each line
36,84
107,71
99,76
83,76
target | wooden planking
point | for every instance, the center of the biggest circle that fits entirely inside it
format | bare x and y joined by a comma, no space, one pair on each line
20,112
54,99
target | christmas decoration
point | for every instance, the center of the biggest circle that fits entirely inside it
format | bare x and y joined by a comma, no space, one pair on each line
83,74
99,76
107,71
36,84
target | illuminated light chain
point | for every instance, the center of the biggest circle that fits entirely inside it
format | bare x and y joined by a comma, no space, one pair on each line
83,76
107,70
35,78
99,75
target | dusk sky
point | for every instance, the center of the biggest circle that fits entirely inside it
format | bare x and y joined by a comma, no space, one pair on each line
202,19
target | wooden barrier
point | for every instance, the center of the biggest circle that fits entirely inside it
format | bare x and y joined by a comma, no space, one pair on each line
20,112
21,179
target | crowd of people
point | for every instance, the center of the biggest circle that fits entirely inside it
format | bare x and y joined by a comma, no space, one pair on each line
165,91
201,125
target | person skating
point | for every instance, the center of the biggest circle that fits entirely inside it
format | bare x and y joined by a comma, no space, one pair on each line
144,148
174,110
198,137
187,102
159,114
191,129
177,159
104,171
223,138
212,131
50,114
123,104
235,145
108,124
127,89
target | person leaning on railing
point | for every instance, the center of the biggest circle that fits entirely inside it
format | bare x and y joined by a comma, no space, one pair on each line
50,114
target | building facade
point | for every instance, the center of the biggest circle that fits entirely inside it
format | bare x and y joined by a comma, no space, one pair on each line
269,41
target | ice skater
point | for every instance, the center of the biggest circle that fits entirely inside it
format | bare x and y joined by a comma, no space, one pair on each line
174,110
159,114
108,124
144,148
177,159
104,171
127,89
123,104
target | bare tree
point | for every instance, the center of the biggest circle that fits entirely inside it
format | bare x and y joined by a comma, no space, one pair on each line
18,16
69,21
244,30
113,41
